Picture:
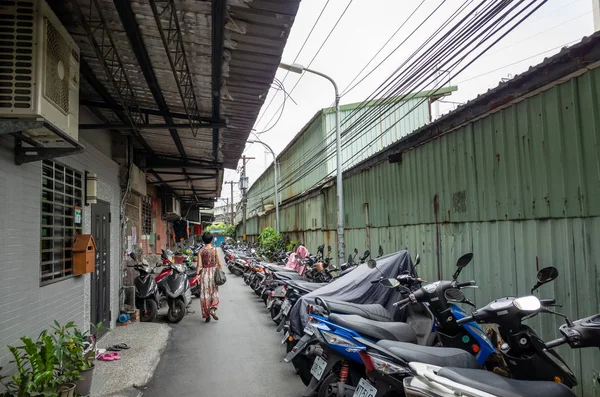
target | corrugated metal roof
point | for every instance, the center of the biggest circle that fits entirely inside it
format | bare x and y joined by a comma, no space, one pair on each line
255,34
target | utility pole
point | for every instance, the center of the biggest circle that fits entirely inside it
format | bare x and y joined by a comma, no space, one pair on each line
243,188
232,211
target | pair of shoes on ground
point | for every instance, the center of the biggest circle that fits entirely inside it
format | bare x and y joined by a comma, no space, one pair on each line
212,313
103,356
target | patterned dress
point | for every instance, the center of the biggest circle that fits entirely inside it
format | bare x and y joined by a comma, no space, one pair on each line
209,291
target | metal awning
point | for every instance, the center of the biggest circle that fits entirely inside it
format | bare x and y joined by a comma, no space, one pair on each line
184,78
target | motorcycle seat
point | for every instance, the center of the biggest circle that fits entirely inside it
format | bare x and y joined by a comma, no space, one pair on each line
306,285
372,311
440,356
289,276
277,268
375,329
504,387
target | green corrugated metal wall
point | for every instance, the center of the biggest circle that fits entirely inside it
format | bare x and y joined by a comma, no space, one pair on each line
519,188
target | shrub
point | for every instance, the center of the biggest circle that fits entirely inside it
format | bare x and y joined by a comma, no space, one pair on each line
270,241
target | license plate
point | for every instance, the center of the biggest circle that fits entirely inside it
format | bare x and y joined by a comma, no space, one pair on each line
285,337
318,368
286,307
365,389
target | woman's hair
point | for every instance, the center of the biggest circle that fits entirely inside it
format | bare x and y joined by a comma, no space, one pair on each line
207,238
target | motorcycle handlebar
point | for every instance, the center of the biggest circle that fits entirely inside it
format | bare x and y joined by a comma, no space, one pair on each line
402,302
556,342
466,284
547,302
464,320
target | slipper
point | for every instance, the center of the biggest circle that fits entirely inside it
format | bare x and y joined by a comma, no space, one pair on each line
114,348
106,357
115,356
123,346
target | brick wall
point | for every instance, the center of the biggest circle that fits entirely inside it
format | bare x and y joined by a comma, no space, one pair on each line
25,307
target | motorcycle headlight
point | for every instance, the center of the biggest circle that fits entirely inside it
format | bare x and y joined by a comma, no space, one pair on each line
386,367
334,339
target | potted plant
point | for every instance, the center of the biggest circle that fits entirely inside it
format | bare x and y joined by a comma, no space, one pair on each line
76,362
36,368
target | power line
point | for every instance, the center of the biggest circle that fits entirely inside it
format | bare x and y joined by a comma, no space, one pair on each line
296,57
490,34
318,51
381,49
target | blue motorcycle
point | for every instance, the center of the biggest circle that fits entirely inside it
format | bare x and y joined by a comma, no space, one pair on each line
432,321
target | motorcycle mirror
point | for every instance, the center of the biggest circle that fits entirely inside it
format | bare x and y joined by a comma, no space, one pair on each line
350,259
355,251
417,260
372,264
544,276
380,253
464,260
461,263
389,282
367,254
329,248
133,256
454,295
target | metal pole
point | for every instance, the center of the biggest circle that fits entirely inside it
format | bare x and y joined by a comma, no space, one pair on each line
275,176
276,192
232,211
243,200
340,190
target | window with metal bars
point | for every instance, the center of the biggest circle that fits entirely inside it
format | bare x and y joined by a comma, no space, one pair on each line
146,215
62,203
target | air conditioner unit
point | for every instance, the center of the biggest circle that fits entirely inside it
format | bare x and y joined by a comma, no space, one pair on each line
39,77
172,207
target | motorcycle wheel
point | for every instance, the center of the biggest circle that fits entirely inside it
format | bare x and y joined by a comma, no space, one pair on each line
237,272
274,312
177,312
301,363
324,389
247,279
230,268
151,311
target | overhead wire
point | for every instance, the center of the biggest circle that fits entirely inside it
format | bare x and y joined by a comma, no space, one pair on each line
485,38
296,57
310,163
318,51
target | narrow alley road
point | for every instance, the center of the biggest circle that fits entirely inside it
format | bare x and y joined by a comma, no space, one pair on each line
239,355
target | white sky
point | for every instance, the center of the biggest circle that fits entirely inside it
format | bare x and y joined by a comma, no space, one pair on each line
365,27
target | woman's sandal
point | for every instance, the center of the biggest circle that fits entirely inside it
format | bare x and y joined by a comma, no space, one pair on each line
213,314
207,319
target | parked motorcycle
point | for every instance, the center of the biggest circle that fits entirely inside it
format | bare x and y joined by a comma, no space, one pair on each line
431,319
175,286
532,363
147,297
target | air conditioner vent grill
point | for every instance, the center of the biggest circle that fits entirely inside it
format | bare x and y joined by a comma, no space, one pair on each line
57,68
16,54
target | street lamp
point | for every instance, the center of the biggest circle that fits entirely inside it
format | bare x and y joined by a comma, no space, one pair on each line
295,68
275,178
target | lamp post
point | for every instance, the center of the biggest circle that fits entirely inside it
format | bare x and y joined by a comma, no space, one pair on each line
295,68
275,179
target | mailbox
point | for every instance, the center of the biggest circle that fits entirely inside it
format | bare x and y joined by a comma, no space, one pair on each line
84,254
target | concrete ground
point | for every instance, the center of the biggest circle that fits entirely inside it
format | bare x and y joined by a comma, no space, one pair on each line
147,341
239,355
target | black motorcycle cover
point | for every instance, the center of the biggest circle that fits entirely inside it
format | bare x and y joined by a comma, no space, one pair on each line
356,287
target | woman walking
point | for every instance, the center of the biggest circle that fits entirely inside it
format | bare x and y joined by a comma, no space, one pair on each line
208,260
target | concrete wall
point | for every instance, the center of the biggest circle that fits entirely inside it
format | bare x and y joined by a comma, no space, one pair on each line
25,307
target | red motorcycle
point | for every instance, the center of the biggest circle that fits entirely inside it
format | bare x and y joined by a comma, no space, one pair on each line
191,275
